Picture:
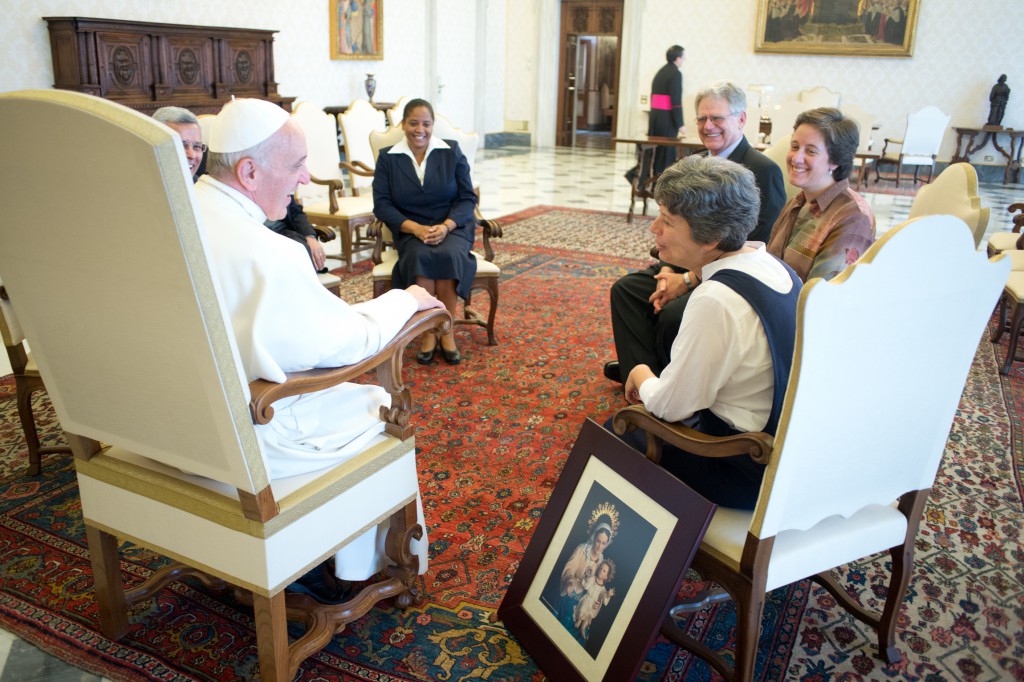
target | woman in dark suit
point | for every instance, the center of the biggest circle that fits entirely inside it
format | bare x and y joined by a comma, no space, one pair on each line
422,191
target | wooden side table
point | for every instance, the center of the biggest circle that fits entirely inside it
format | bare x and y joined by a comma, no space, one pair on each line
991,133
644,180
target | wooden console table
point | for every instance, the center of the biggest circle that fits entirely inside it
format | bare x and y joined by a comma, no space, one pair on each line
991,133
644,180
146,66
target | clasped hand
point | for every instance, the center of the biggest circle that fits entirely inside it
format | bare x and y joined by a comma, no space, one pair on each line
432,234
670,287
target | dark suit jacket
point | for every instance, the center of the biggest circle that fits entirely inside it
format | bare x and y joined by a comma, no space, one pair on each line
768,176
446,192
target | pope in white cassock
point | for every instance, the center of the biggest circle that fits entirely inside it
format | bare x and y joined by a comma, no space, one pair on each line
283,319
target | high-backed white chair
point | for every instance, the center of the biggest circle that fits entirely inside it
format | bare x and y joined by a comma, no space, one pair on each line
323,199
954,192
151,386
818,96
777,153
26,381
356,123
848,473
919,145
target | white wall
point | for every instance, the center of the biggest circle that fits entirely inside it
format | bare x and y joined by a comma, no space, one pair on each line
301,50
961,48
490,50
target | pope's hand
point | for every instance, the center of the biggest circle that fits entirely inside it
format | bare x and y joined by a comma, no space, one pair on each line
424,300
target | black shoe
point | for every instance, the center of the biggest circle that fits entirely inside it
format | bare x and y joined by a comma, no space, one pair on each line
426,357
611,371
452,357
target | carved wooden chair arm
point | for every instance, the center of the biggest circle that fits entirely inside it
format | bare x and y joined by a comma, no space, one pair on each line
491,230
375,231
324,234
357,168
757,445
1018,220
387,362
334,187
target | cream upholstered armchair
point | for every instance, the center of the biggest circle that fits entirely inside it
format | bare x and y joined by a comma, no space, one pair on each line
954,192
26,382
323,199
1012,240
919,145
151,386
848,473
488,274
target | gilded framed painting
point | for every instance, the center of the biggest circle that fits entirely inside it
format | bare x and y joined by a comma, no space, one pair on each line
605,562
859,28
357,29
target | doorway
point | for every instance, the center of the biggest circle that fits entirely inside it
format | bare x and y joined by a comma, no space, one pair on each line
589,69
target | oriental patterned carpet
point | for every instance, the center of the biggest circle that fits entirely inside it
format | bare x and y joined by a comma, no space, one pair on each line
493,434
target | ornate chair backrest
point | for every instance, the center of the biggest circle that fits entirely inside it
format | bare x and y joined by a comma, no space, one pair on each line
925,129
855,436
384,138
356,123
138,353
469,143
323,158
818,96
865,123
395,112
777,153
954,192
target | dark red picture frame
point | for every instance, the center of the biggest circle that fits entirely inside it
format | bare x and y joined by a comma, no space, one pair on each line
690,515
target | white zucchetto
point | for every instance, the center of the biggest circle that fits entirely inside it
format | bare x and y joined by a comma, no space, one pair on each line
244,123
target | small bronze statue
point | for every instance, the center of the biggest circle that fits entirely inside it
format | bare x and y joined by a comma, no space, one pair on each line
998,97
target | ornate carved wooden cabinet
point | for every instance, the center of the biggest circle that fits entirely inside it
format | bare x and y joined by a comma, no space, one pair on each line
146,66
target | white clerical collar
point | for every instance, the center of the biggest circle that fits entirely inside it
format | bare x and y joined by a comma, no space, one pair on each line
402,147
247,204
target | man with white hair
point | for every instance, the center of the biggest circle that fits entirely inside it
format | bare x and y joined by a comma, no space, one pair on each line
283,319
647,306
185,123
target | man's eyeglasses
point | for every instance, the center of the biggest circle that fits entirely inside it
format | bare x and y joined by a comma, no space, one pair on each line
197,147
717,120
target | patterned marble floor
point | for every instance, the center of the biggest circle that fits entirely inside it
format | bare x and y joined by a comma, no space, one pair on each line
513,179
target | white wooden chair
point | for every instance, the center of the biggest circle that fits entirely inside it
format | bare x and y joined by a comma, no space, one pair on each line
148,384
856,452
323,199
954,192
919,145
818,96
356,123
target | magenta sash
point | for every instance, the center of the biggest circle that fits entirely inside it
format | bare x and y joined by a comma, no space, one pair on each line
663,102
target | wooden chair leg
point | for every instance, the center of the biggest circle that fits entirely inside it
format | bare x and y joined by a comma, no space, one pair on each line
28,425
106,571
1015,329
899,168
272,637
345,234
492,290
1001,319
749,609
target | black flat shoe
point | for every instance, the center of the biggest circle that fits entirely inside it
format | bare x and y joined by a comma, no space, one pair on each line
452,357
426,357
611,371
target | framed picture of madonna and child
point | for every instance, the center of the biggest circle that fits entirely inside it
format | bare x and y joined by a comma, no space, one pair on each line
605,562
